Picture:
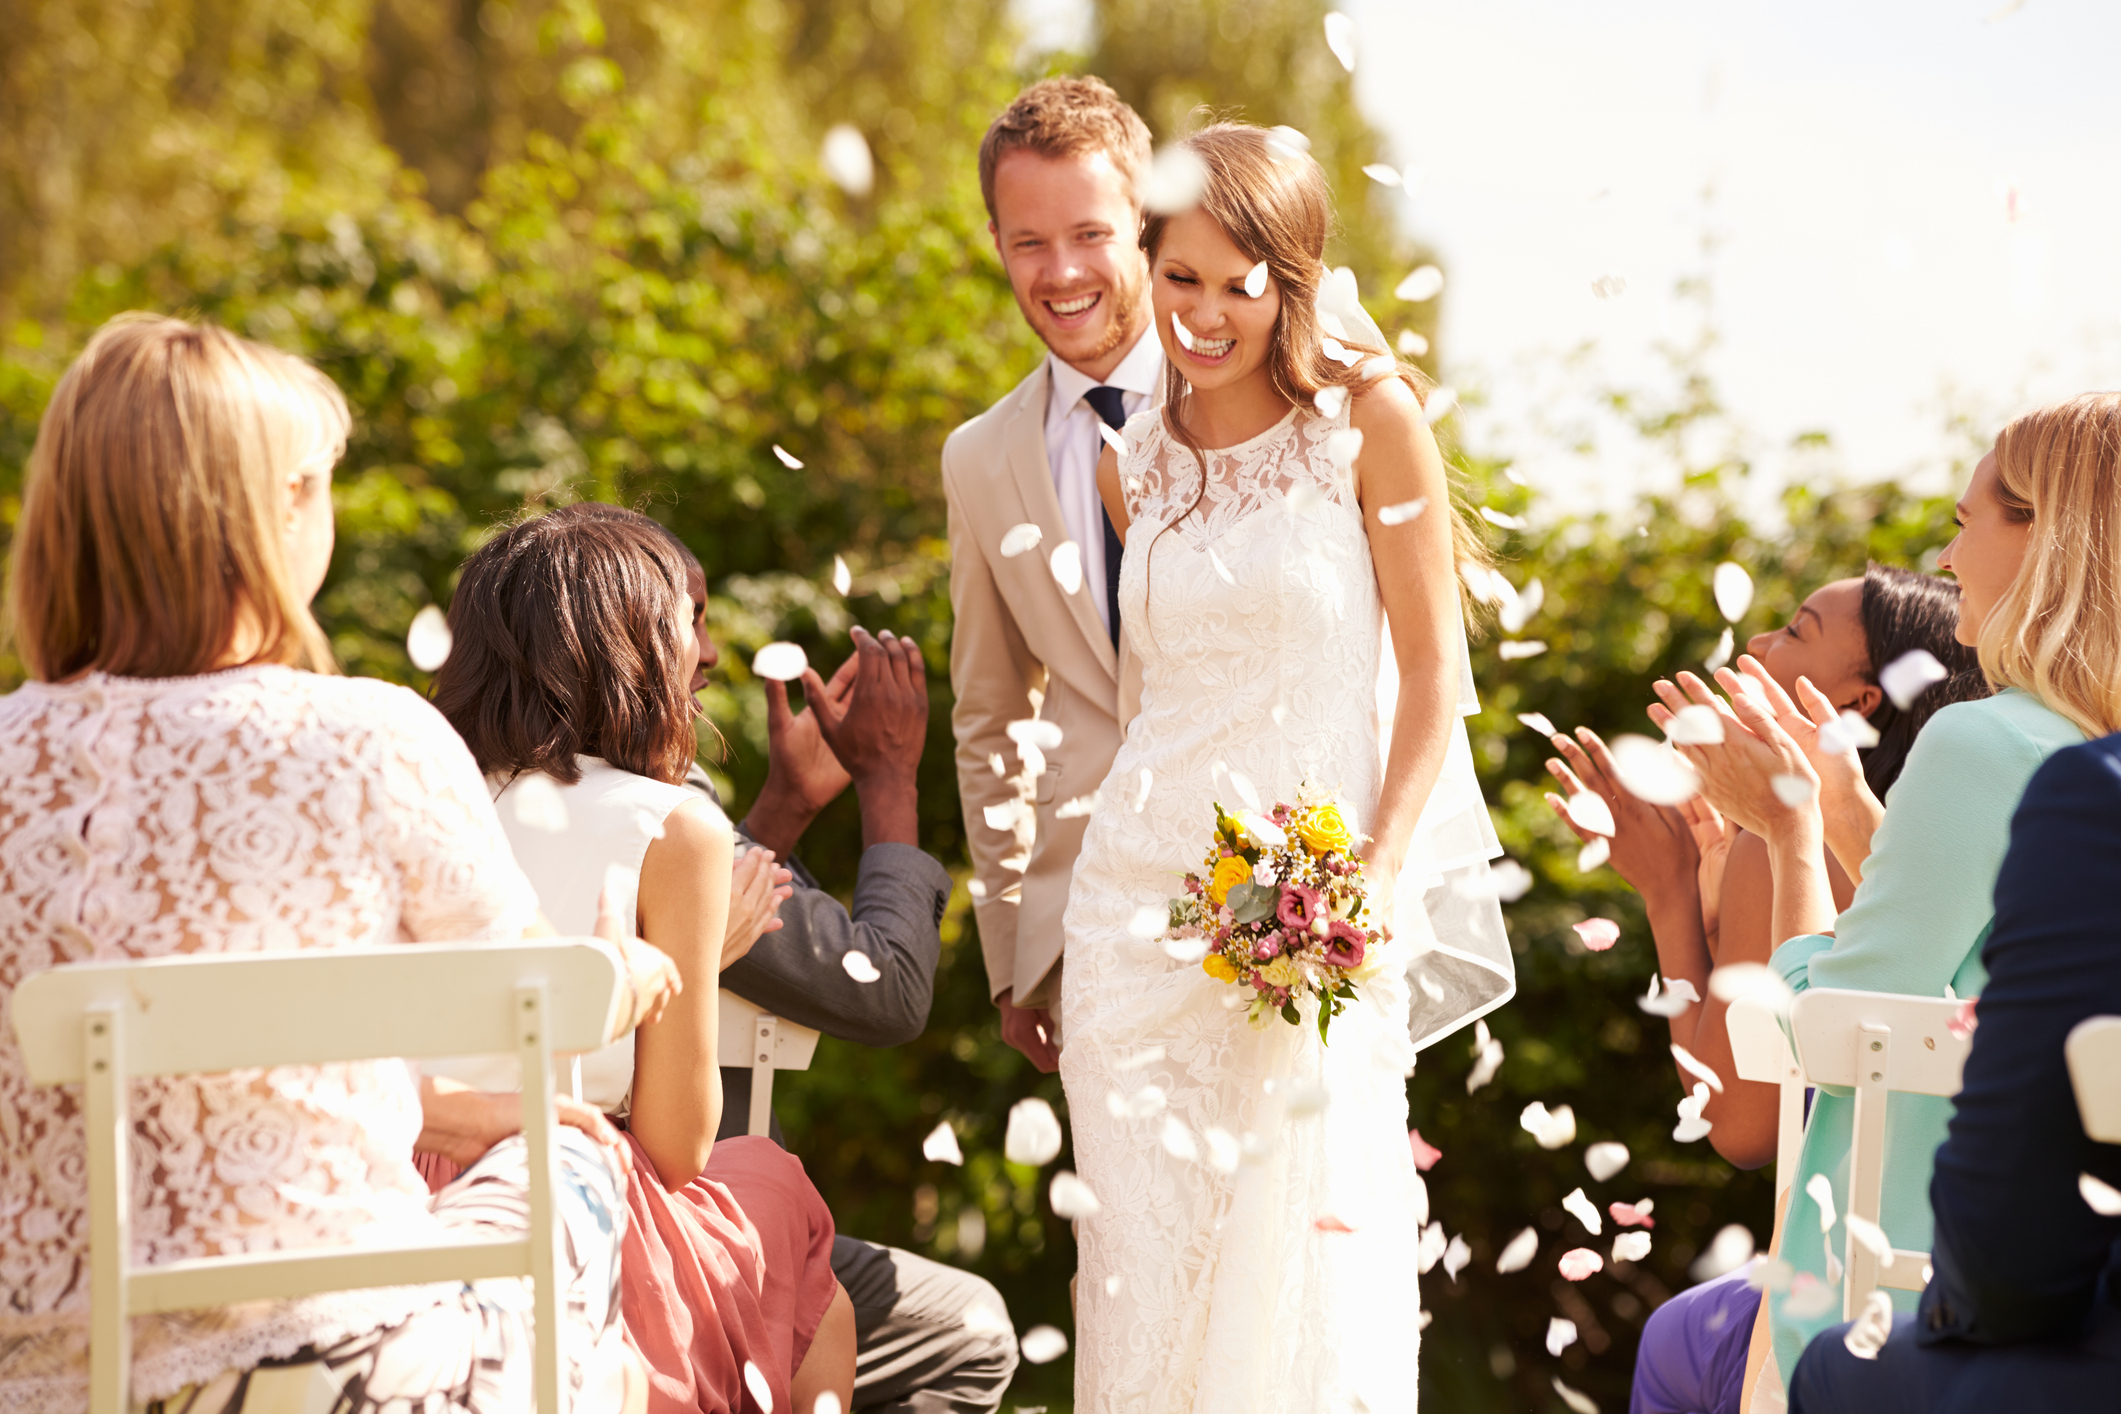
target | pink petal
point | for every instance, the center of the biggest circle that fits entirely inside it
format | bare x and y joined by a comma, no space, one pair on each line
1326,1222
1963,1023
1626,1215
1598,934
1425,1154
1579,1262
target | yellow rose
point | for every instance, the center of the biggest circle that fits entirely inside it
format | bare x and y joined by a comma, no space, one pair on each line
1230,871
1282,972
1219,967
1323,829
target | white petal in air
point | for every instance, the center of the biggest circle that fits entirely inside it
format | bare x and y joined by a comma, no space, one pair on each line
1695,725
1067,566
1685,1057
1005,815
1577,1401
1871,1238
1112,438
1518,1255
1071,1197
1512,880
1721,653
786,457
842,577
1910,675
983,1319
1438,405
1561,1335
1383,175
1609,286
1503,519
1873,1326
1590,812
428,641
782,662
846,159
1411,344
1035,732
1430,1248
1847,732
1044,1344
1518,612
1034,1134
1178,1141
827,1403
1150,921
1147,1055
1511,649
1583,1210
1180,332
858,966
1598,934
1579,1262
1734,590
755,1381
1141,796
1330,400
1820,1189
1286,144
1652,771
1730,1249
1594,855
1344,446
1631,1246
538,803
1455,1257
1792,791
1188,950
1020,538
1340,38
1549,1129
1176,179
2101,1197
1425,282
1256,280
1605,1159
1751,979
941,1145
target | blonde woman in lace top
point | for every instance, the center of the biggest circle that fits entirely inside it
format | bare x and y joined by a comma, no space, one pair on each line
184,775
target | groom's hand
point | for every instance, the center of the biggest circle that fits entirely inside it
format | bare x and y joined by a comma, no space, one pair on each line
1029,1030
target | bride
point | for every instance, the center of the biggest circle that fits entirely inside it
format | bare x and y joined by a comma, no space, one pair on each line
1287,523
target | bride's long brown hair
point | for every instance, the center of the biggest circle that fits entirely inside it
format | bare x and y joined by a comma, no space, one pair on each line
1274,206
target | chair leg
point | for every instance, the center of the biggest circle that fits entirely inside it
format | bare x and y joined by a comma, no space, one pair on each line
539,1123
1866,1161
764,1033
107,1105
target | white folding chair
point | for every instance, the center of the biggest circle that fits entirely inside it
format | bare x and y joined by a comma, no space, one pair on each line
756,1040
1876,1043
101,1025
2093,1053
1760,1051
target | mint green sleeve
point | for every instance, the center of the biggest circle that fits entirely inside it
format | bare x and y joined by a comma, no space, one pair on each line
1928,887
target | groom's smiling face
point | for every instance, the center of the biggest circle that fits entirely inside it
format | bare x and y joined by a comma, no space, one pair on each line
1069,231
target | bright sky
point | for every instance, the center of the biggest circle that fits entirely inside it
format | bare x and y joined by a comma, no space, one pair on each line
1869,272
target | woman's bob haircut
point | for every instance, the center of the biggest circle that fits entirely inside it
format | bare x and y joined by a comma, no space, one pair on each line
153,531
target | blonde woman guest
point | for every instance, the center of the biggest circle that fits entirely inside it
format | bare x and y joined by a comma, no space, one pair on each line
184,775
2038,559
574,651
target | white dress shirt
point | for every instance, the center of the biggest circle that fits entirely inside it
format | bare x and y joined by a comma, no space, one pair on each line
1073,445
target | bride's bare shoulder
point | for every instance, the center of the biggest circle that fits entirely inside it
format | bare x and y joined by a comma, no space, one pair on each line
1386,404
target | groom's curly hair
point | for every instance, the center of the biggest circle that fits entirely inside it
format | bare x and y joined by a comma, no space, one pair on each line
1066,117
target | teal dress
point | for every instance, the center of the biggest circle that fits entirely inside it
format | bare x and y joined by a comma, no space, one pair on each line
1915,927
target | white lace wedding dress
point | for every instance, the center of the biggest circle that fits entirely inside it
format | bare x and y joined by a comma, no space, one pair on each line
1217,1276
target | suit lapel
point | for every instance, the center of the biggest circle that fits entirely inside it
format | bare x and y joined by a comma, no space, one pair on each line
1025,436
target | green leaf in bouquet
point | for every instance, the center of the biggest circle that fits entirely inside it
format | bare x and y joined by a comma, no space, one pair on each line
1290,1015
1250,903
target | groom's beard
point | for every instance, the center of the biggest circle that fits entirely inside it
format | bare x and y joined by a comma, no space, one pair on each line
1120,307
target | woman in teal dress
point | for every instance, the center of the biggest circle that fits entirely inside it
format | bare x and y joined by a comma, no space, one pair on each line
2040,534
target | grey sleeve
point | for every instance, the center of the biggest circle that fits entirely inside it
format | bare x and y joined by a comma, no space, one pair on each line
798,972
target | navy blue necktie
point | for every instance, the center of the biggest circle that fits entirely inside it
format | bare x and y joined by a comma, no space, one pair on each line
1109,404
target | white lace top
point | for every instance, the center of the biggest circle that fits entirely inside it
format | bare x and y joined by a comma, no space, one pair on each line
252,810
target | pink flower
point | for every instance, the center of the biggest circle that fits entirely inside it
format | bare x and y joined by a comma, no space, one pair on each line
1579,1262
1345,944
1298,906
1598,934
1268,948
1628,1215
1425,1154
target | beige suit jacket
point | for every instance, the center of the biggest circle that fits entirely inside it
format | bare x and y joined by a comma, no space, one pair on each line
1017,634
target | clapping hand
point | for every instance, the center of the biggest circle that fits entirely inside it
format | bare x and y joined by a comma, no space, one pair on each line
798,761
1758,775
1654,847
881,726
756,892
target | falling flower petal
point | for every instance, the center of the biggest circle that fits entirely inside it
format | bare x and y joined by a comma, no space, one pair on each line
1518,612
1847,732
1147,1055
1630,1246
1730,1249
538,804
941,1145
1177,177
1021,538
1873,1326
1141,796
755,1381
1594,855
1598,934
1734,980
781,662
1503,519
1691,1125
1188,950
1512,649
1963,1020
1286,144
1151,920
1605,1159
1590,812
1632,1214
1910,675
1178,1140
1538,722
1455,1257
1344,446
1330,400
1071,1197
842,577
859,967
1382,366
1487,1057
1425,1154
1327,1222
1044,1344
1145,1103
1734,590
1576,1399
428,641
1771,1274
1609,286
1036,732
1256,280
847,160
983,1319
1722,652
1431,1248
1695,725
1183,334
1005,815
1067,566
1686,1059
1548,1130
787,458
1820,1189
2101,1197
1809,1298
1579,1262
1793,791
1520,1251
1340,38
1424,283
1412,344
1871,1238
1652,771
1512,880
1383,175
1561,1335
1112,438
827,1403
1034,1134
1583,1210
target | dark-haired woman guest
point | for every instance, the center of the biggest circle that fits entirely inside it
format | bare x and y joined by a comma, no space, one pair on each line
574,648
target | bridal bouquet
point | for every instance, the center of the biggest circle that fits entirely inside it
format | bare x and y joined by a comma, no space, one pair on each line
1280,907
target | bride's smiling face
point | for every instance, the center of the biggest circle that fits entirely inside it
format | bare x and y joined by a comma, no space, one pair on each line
1212,331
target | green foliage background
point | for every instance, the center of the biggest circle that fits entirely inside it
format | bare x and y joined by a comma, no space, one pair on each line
564,249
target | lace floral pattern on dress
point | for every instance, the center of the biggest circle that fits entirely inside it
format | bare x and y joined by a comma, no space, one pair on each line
253,810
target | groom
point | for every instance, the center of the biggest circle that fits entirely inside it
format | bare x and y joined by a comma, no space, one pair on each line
1061,170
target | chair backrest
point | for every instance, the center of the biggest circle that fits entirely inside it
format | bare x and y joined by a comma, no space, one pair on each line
1875,1043
103,1024
1761,1052
754,1039
2093,1052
